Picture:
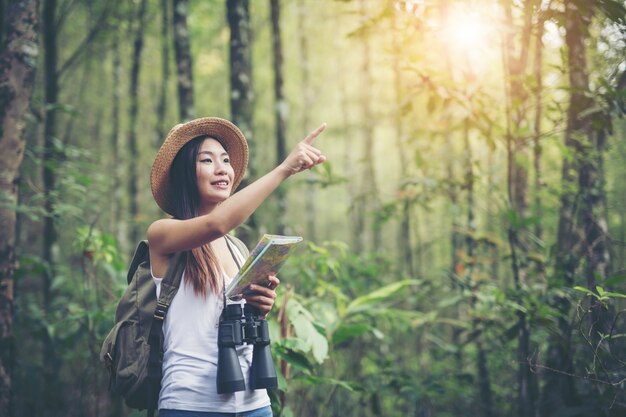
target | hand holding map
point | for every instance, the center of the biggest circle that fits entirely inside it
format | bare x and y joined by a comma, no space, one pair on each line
267,257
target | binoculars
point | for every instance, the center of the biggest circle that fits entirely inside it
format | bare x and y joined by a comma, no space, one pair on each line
238,326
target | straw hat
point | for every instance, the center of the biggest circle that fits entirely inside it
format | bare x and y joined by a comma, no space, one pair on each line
226,132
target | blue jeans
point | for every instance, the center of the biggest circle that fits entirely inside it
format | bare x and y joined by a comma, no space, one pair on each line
259,412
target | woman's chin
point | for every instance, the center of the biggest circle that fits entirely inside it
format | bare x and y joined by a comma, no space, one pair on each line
217,198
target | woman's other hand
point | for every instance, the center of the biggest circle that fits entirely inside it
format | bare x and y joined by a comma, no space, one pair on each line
263,297
304,155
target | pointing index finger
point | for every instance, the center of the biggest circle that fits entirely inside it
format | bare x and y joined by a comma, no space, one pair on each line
311,136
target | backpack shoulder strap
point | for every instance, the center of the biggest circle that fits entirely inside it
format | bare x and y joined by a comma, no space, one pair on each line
243,249
142,254
169,288
170,284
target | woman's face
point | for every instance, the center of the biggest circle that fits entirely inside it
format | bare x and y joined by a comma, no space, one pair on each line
214,172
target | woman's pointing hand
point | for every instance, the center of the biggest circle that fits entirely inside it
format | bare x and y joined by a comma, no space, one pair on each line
304,155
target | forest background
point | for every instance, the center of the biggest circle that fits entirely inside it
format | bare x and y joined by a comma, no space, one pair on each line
466,239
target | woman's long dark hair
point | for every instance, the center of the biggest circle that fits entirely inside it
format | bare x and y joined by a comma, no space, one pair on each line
202,267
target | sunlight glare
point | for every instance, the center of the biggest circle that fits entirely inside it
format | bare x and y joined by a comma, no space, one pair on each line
466,29
470,37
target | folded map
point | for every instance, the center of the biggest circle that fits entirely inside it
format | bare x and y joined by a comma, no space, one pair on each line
267,257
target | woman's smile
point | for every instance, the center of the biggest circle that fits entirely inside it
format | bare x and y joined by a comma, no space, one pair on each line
214,172
220,184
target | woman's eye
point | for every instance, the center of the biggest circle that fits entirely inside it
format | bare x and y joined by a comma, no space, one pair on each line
227,160
207,160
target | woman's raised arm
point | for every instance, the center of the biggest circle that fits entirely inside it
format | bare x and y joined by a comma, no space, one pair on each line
168,236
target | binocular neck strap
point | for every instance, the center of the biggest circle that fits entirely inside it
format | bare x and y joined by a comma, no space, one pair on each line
232,253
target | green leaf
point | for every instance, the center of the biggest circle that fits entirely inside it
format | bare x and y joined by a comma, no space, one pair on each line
296,359
317,380
377,296
449,301
282,382
349,331
293,343
585,290
614,294
302,321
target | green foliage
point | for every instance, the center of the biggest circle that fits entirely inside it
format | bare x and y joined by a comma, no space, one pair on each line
600,294
99,247
309,338
370,333
334,320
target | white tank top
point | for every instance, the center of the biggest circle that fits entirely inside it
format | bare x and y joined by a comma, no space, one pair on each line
190,356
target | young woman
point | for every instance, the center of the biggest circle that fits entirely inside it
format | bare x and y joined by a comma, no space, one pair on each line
193,178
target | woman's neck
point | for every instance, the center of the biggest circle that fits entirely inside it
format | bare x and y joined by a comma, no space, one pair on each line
206,209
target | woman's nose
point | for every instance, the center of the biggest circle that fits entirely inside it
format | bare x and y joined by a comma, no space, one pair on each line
220,167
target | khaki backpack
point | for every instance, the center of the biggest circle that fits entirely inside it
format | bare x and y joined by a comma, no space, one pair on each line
133,349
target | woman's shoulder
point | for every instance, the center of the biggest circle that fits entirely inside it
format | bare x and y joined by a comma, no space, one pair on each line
157,234
159,226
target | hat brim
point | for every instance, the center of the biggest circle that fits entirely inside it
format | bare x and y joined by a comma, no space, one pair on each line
223,130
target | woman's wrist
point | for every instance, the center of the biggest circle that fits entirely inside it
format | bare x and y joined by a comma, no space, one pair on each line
283,171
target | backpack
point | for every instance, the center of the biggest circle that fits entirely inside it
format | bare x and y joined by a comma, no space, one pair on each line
133,349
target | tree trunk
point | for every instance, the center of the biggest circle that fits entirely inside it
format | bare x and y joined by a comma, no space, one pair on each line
51,158
183,61
592,215
484,382
115,143
531,377
17,75
241,92
4,23
133,153
280,110
356,219
165,75
369,189
469,187
537,151
491,211
582,227
405,247
517,185
307,103
457,267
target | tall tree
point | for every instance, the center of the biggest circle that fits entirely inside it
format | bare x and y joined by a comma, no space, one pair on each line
457,266
582,231
116,168
17,75
133,111
161,109
307,102
53,19
537,145
356,216
51,158
515,51
183,61
241,92
281,108
405,247
369,188
484,380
